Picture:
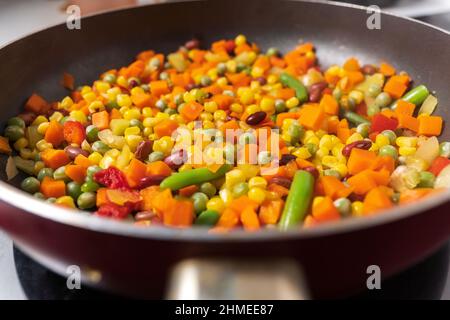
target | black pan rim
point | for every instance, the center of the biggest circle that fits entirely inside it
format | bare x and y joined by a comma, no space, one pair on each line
84,220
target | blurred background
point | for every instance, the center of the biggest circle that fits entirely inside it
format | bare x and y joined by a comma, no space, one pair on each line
20,17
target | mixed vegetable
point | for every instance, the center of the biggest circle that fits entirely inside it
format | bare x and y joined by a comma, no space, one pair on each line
348,141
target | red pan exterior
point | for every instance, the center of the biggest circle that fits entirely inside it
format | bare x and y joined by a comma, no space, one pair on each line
335,264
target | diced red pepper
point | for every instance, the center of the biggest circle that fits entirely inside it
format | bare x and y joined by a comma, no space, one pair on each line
114,211
438,165
112,178
74,132
381,123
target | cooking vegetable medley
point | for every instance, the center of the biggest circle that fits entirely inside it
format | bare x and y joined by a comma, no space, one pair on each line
232,137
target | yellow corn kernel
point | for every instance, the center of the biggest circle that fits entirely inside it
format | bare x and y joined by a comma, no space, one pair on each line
255,86
164,145
317,200
133,141
302,153
185,167
222,82
38,166
226,195
240,40
220,115
122,81
249,170
251,109
189,96
42,145
357,208
292,102
330,161
407,151
112,93
66,103
132,130
42,128
95,157
216,204
147,132
236,107
213,74
89,97
106,162
356,95
56,116
257,182
406,141
322,152
96,106
20,144
354,137
102,86
124,100
381,140
341,168
65,201
206,116
133,113
267,104
231,66
272,79
39,120
137,91
160,116
257,72
257,194
326,142
211,106
337,149
208,125
79,116
247,97
147,112
234,177
85,89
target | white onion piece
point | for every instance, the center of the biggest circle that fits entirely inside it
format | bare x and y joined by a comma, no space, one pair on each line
428,105
428,150
11,169
443,179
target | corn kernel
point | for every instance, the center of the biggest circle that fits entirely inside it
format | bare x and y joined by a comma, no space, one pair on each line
132,130
65,201
208,125
317,200
42,128
222,82
137,91
95,157
164,145
89,97
407,151
341,168
272,79
79,116
112,93
257,182
147,112
133,141
66,103
211,106
124,100
39,120
240,40
257,194
381,140
226,195
326,142
406,141
102,86
122,81
322,152
185,167
20,144
133,113
302,153
234,177
257,72
247,97
267,104
330,161
42,145
220,115
292,102
356,95
56,116
38,166
216,204
357,208
96,106
354,137
236,107
337,149
249,170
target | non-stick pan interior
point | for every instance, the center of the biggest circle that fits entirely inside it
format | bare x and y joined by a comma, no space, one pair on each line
36,63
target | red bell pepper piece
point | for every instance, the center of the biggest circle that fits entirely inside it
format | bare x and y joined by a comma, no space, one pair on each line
438,165
381,123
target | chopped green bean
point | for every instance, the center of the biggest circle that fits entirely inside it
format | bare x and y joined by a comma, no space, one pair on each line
300,90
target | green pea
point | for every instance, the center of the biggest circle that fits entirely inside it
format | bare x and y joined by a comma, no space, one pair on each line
112,105
170,111
332,172
64,119
383,100
14,133
110,78
208,188
296,132
73,189
91,170
240,189
228,93
373,109
221,69
444,149
280,106
60,174
426,179
161,104
100,146
91,133
156,156
264,157
45,172
363,129
136,123
240,67
145,87
312,148
347,103
374,90
337,93
272,52
344,206
39,195
207,218
51,200
390,135
30,185
388,150
89,186
164,76
178,99
200,199
16,121
395,197
86,200
205,81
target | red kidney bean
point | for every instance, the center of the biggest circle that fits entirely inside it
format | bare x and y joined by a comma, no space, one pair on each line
143,150
150,181
256,118
313,171
315,91
369,69
192,44
176,160
72,152
286,158
145,215
262,81
362,144
282,181
28,117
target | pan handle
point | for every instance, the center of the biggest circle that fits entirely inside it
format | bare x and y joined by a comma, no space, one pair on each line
222,279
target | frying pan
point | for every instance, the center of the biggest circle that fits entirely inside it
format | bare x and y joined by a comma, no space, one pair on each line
331,260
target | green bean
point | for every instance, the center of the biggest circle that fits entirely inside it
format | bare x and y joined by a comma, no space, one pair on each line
195,176
26,166
416,96
300,91
207,218
355,118
298,200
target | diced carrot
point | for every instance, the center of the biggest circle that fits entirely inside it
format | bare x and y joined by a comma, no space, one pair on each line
239,79
76,172
179,214
240,203
395,88
162,201
270,211
228,219
165,128
135,172
159,88
286,115
430,125
325,211
405,107
284,93
54,158
310,222
68,81
51,188
352,64
362,183
409,196
158,168
384,163
329,104
223,101
4,146
115,114
376,199
100,120
191,110
334,188
312,116
360,160
101,197
438,165
279,190
74,132
54,133
408,122
36,104
147,194
387,70
249,219
142,100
